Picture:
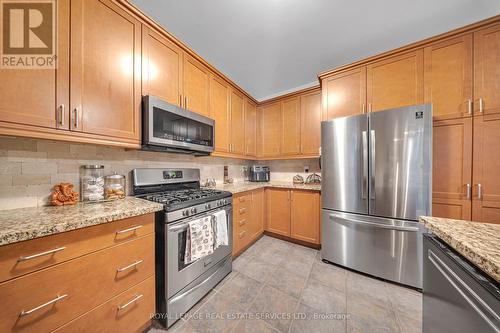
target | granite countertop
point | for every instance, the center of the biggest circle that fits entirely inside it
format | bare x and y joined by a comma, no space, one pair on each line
28,223
478,242
239,187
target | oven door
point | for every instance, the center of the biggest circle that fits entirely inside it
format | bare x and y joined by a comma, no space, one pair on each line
180,274
167,125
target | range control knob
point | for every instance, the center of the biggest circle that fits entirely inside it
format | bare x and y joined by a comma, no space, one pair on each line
194,210
208,206
225,201
185,212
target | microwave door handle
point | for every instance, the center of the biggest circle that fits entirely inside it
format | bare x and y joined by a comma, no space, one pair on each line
372,164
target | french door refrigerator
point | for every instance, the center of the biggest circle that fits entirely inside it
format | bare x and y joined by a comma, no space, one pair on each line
376,182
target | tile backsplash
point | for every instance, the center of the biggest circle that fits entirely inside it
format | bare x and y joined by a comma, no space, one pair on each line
29,168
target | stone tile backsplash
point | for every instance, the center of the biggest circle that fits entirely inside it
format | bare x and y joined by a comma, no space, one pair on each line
30,168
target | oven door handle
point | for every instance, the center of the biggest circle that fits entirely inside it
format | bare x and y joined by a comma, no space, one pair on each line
185,225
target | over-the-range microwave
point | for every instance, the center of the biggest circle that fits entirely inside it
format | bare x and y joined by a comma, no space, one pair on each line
167,127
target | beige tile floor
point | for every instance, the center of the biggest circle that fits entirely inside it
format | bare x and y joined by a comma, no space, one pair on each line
277,286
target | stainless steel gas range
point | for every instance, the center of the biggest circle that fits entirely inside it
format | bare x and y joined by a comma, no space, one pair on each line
179,286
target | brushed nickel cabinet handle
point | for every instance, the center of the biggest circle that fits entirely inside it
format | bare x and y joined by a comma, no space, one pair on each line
61,114
479,191
131,229
133,300
75,119
469,191
242,199
242,234
481,105
242,210
363,108
58,298
242,222
33,256
469,106
369,107
132,265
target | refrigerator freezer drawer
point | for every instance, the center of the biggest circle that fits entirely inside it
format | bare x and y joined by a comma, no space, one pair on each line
386,248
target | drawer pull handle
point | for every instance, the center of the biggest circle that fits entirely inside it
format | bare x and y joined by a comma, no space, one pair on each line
242,234
242,210
23,258
242,199
128,229
242,222
135,299
58,298
132,265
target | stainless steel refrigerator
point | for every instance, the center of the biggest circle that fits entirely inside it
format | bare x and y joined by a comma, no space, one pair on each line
376,182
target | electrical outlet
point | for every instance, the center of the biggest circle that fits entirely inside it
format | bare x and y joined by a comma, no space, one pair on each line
306,169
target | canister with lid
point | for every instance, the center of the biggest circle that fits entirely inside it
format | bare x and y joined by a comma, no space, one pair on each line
92,183
114,186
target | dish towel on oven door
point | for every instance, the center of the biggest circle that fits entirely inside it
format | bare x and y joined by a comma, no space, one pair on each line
199,240
220,226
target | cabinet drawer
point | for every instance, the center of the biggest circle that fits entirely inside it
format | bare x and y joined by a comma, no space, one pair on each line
127,312
242,208
26,257
80,285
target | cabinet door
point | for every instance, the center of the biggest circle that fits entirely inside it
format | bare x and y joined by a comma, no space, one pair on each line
291,127
196,85
310,123
40,97
395,82
278,211
448,78
487,70
305,216
250,128
271,129
105,69
237,123
486,201
220,94
256,225
344,94
161,67
452,168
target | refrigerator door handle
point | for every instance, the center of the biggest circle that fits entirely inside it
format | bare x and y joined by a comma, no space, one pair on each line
372,164
364,188
373,224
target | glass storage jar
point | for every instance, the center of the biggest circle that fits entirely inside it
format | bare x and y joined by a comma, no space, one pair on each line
114,186
92,183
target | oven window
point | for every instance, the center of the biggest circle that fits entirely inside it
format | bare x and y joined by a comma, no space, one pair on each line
170,126
181,241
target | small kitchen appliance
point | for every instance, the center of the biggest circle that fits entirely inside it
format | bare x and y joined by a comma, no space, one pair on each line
259,173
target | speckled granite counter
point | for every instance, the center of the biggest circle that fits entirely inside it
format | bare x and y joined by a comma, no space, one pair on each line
478,242
249,186
27,223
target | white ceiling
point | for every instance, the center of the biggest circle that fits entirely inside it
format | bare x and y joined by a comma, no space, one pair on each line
270,47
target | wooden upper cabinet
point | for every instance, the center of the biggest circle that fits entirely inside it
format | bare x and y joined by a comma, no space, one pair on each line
344,94
250,128
220,95
161,67
237,122
487,70
395,82
452,168
291,127
271,126
310,123
105,69
305,216
40,97
278,211
448,77
196,85
486,176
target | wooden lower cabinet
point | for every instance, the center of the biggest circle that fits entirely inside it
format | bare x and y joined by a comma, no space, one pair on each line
305,216
81,284
486,166
123,313
248,219
294,214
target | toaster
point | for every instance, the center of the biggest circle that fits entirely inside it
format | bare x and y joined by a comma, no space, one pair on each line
259,173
